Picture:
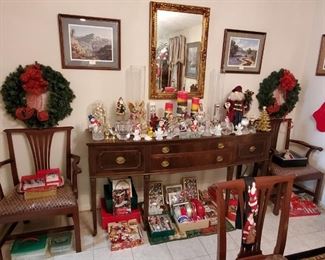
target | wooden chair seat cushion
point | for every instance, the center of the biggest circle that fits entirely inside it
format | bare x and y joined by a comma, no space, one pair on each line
296,171
14,203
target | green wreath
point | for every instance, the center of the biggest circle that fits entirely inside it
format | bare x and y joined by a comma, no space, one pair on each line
287,91
37,95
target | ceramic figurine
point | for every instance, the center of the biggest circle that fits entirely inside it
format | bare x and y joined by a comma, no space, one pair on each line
159,134
137,133
245,122
120,107
217,130
239,129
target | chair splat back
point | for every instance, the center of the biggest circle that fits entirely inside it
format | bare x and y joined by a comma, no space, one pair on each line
40,142
264,187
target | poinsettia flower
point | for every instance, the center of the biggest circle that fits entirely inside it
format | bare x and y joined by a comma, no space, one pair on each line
24,113
42,116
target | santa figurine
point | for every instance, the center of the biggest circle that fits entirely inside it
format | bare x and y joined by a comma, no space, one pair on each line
249,230
252,201
236,105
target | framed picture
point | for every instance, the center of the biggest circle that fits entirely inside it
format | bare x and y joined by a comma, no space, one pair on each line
321,58
89,42
242,51
192,59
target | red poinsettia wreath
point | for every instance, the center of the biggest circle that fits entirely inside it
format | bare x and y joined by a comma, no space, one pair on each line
279,93
37,95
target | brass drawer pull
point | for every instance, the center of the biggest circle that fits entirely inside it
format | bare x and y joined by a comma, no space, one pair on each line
221,146
219,158
120,160
165,149
165,163
252,148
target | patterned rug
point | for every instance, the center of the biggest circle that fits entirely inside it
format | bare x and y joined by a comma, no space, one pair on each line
302,205
314,254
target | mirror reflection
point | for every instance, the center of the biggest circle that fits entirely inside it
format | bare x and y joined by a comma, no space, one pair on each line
178,49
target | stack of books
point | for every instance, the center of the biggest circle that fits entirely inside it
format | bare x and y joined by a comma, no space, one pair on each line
32,248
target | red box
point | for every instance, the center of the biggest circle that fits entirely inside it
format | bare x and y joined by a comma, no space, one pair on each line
109,218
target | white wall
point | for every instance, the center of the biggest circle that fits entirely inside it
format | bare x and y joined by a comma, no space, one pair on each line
29,32
313,92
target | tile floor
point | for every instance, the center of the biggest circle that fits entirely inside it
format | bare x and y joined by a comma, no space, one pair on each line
304,233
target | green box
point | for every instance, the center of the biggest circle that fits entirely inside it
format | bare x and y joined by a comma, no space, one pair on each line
109,200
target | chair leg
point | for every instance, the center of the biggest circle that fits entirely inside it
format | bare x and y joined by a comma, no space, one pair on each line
318,189
77,230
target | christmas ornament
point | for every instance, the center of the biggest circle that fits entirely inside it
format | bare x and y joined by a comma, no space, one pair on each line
264,123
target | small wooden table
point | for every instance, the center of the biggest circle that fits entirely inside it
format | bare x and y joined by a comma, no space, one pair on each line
145,158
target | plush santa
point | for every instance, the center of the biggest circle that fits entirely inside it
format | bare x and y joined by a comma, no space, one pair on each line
235,105
252,201
249,230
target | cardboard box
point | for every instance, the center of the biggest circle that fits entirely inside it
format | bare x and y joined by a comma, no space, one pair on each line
296,161
192,225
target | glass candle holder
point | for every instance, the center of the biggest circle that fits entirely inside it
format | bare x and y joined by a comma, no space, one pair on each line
123,130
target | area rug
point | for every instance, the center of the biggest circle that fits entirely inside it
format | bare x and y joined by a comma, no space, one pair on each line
314,254
301,205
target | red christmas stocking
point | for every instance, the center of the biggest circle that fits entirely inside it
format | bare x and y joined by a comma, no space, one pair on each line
319,116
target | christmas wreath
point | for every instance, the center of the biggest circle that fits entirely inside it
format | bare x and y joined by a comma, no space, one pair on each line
37,95
278,93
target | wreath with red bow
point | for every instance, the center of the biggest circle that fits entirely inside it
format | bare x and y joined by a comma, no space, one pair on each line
279,93
37,95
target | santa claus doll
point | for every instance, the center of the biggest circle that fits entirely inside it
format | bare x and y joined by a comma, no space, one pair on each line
236,105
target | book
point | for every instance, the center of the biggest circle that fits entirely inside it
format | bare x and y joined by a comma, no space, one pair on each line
29,248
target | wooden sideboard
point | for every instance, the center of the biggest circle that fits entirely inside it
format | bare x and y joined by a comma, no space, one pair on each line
131,158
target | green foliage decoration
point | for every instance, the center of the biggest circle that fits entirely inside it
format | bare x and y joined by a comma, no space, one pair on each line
59,96
266,98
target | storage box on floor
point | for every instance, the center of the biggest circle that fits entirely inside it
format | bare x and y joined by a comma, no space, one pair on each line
107,215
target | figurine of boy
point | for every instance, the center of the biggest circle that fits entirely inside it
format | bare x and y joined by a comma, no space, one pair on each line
137,133
239,129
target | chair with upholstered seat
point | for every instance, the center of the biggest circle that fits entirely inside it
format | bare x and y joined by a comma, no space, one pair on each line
251,248
305,173
14,208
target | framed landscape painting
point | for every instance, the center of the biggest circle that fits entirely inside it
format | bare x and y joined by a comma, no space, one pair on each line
89,42
320,71
242,51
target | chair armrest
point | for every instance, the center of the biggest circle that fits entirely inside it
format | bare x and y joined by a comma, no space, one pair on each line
5,162
311,149
75,171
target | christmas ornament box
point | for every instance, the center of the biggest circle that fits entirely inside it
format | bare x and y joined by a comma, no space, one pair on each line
296,161
108,188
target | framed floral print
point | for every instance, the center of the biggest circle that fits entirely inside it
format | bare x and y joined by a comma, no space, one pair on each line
242,51
89,42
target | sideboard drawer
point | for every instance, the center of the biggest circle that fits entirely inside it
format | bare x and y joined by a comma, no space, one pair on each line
250,150
206,159
119,160
194,145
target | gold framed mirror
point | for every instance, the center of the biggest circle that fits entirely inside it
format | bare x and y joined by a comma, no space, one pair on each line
178,49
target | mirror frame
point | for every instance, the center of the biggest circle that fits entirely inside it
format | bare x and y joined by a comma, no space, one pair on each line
205,12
